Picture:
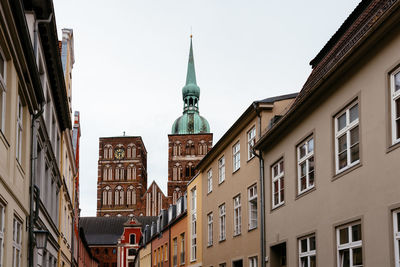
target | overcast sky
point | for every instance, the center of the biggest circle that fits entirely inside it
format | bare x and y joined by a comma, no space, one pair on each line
131,59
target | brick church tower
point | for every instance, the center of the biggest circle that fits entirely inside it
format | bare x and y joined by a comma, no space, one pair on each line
122,176
190,138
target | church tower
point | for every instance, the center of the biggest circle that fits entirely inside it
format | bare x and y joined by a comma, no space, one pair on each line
190,138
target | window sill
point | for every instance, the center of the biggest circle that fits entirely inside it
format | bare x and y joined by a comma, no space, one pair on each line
220,183
393,147
306,192
236,170
278,206
237,235
209,245
20,169
222,240
346,171
252,229
4,139
209,192
248,160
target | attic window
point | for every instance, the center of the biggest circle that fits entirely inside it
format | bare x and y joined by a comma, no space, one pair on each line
132,239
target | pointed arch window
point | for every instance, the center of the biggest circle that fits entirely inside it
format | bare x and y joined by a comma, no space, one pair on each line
131,172
107,196
131,151
119,173
108,151
176,195
119,195
131,196
107,173
177,172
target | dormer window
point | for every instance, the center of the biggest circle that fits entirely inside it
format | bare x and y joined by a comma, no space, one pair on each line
132,239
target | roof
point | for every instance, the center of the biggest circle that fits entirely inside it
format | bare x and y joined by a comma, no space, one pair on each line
356,31
278,98
239,122
107,230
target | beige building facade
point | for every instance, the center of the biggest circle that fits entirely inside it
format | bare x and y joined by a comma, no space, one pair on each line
332,161
231,195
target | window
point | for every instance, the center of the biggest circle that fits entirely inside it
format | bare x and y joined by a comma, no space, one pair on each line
182,249
222,222
131,195
222,264
2,213
107,196
396,236
209,181
119,195
395,99
278,184
210,228
17,243
221,169
20,113
132,239
347,138
251,140
3,68
253,262
252,207
237,215
175,252
236,156
305,165
349,245
307,253
193,251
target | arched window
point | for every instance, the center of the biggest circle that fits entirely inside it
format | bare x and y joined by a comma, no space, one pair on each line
110,152
109,174
174,149
200,149
107,196
107,150
119,173
131,151
176,195
175,172
119,195
187,172
105,173
131,196
131,172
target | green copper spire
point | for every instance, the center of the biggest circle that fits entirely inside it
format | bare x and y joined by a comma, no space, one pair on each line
190,122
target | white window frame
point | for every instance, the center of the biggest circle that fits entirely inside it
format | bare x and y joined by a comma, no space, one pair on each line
236,156
193,230
253,261
20,121
346,131
351,245
221,169
210,229
395,96
279,177
237,215
309,252
306,159
17,243
222,222
396,237
209,181
252,195
2,215
3,93
251,140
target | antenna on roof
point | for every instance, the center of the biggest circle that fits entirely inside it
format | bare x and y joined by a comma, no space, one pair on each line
191,33
124,133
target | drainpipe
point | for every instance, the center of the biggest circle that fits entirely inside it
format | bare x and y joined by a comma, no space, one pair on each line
35,33
262,199
32,217
35,117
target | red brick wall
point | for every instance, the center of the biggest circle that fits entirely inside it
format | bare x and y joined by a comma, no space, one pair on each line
107,256
190,154
139,183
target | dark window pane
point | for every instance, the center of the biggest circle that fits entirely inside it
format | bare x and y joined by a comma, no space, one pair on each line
283,194
398,222
311,164
304,262
354,136
398,128
276,201
303,169
344,258
344,235
341,121
312,243
342,143
397,108
303,183
357,256
302,151
354,113
397,81
342,160
313,262
276,170
281,166
311,178
2,66
303,245
356,231
354,153
311,145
